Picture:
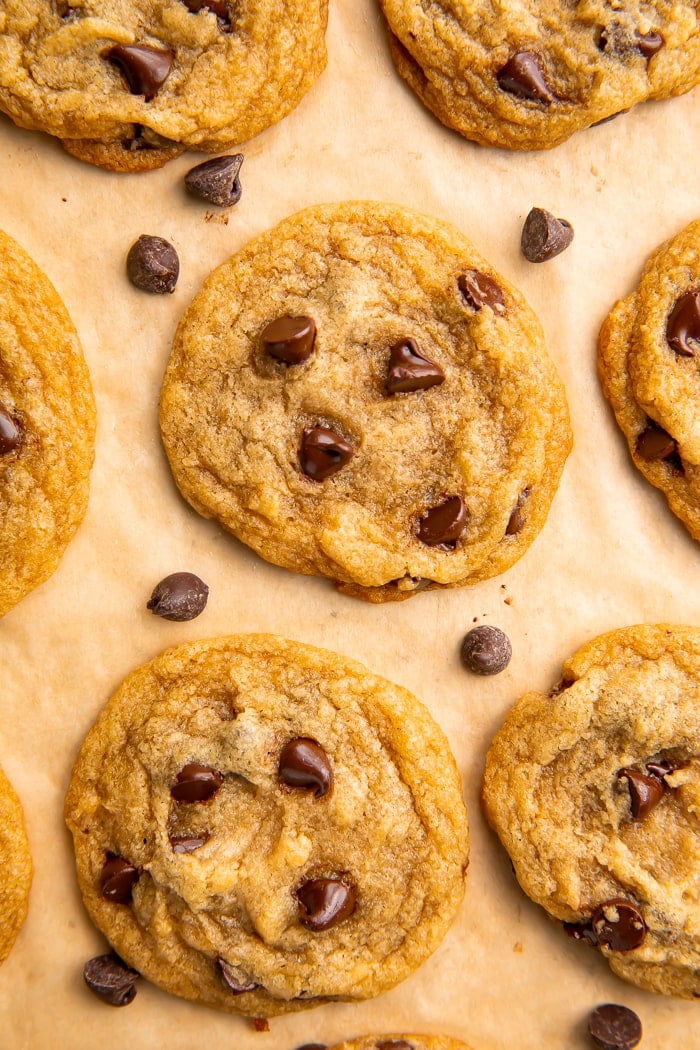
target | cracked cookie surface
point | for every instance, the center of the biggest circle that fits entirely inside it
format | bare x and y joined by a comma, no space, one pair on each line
16,867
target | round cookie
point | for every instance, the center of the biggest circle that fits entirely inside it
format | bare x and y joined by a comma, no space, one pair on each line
526,76
400,1042
594,791
128,84
47,426
16,867
263,827
358,395
648,366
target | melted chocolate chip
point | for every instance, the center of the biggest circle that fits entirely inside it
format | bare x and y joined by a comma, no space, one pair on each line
236,982
655,443
323,452
146,68
442,525
153,265
196,783
660,769
409,370
479,290
645,792
217,7
10,432
110,979
180,596
485,650
289,339
544,236
517,518
324,903
303,763
614,1027
683,327
217,180
188,843
118,879
618,925
523,75
649,43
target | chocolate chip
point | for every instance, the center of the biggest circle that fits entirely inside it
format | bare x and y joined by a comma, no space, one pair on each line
485,650
303,763
152,265
409,370
313,1046
683,327
442,525
544,236
216,180
196,783
10,432
188,843
234,979
655,443
619,925
581,931
146,68
110,979
324,903
614,1027
217,7
517,518
180,596
289,339
118,879
393,1044
523,75
481,290
645,792
649,43
660,769
323,452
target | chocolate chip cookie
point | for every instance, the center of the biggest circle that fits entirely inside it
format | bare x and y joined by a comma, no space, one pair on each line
526,76
594,791
47,426
263,826
358,395
399,1042
129,84
15,865
648,349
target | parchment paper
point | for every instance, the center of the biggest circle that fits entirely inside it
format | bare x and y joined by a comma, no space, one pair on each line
611,553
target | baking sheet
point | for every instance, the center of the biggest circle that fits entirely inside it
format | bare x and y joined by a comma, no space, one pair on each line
611,553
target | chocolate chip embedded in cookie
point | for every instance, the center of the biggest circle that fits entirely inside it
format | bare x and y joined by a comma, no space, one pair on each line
377,406
15,865
594,792
264,827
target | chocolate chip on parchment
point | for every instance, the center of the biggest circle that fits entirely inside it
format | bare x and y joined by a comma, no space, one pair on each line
196,783
485,650
217,180
289,339
234,979
188,843
649,43
146,68
323,452
409,370
303,763
118,879
683,326
110,979
544,236
619,925
10,432
655,443
478,289
153,265
523,75
614,1027
442,525
180,596
645,791
324,903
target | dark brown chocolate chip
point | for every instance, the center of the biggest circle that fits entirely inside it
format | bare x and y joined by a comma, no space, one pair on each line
118,879
152,265
409,370
645,792
217,7
480,290
180,596
660,769
485,650
649,43
236,982
393,1044
188,843
196,783
217,180
289,339
324,903
655,443
323,452
110,979
303,763
10,432
581,931
523,75
544,236
619,925
517,518
146,68
442,525
683,327
614,1027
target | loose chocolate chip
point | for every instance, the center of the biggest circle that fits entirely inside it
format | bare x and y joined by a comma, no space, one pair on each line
517,518
180,596
645,792
323,452
196,783
409,370
152,265
324,903
619,925
683,327
217,7
481,290
118,879
614,1027
303,763
655,443
289,339
544,236
216,180
649,43
146,68
442,525
110,979
234,980
485,650
10,432
523,75
188,843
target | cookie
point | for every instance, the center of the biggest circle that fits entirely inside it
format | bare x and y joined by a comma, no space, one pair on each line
358,395
527,76
648,348
47,426
16,867
399,1042
263,826
129,84
594,791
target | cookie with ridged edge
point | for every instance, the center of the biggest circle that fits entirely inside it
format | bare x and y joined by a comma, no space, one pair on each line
214,892
527,76
47,426
650,372
594,791
16,867
401,1042
128,84
440,483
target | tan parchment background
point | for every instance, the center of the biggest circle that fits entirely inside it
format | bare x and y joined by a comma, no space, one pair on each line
611,554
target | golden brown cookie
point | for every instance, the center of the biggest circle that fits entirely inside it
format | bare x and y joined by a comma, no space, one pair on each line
262,826
358,395
594,791
15,865
47,426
